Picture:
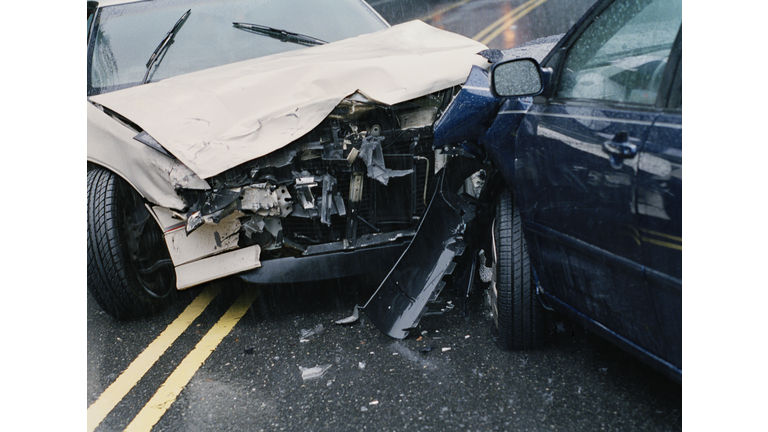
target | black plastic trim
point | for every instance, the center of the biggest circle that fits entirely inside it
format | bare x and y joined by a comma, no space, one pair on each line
326,266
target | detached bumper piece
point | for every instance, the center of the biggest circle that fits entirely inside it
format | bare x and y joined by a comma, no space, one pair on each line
402,298
325,266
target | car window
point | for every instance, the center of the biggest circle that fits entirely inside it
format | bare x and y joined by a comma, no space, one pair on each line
125,35
622,55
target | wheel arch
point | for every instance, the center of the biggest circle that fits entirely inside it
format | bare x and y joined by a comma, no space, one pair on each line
148,204
122,278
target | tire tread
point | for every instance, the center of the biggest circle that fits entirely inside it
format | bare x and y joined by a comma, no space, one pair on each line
110,276
521,315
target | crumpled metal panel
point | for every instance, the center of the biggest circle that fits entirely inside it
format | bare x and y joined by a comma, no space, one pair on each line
401,300
218,118
154,175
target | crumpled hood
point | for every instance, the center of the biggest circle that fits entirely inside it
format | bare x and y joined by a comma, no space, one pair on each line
218,118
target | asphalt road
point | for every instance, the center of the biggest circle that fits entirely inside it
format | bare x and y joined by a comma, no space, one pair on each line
498,24
447,375
235,362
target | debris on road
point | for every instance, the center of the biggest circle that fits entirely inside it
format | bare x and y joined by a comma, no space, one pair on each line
313,372
305,334
352,318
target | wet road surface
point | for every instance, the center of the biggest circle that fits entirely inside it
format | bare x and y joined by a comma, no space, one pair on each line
225,357
496,23
447,375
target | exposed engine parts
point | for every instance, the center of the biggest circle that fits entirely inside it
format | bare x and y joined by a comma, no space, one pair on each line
364,170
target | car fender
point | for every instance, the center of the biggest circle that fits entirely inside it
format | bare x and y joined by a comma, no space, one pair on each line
470,113
151,173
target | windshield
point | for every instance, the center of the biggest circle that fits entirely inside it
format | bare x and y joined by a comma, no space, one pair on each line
124,37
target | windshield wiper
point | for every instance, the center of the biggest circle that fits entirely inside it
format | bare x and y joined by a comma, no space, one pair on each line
164,44
282,35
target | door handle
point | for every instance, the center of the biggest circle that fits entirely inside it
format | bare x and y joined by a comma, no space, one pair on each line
620,146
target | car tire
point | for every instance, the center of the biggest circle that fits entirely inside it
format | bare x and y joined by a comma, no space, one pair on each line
518,314
129,269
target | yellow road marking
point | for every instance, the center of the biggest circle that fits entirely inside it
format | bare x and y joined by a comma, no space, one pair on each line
169,391
136,370
506,21
660,234
443,10
663,243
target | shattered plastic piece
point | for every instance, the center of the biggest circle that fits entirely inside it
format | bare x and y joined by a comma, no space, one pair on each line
352,318
305,334
361,365
313,372
446,349
425,351
473,185
373,156
373,402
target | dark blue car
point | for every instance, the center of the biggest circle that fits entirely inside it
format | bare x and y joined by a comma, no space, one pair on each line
584,145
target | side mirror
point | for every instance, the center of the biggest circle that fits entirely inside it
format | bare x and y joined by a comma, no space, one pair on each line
517,78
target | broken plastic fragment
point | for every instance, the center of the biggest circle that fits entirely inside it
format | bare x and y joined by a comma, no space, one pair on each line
373,156
314,372
425,351
473,185
305,334
352,318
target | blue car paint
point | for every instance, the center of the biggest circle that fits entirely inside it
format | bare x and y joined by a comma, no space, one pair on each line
605,236
470,113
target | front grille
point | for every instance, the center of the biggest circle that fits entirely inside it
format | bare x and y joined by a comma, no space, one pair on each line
382,208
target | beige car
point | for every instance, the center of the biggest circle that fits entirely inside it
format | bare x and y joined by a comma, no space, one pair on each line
277,140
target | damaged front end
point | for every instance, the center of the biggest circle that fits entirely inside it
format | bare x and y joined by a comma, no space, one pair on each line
345,199
365,191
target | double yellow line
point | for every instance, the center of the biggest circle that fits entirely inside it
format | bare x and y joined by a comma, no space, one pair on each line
166,395
661,239
489,33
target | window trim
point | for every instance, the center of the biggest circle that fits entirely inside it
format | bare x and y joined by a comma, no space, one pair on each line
673,77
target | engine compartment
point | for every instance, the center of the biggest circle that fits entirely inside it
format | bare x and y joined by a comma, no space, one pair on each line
360,178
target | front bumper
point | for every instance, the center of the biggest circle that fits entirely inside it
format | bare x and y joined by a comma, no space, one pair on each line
326,266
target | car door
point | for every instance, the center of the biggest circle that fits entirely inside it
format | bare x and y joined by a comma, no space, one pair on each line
577,159
659,211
